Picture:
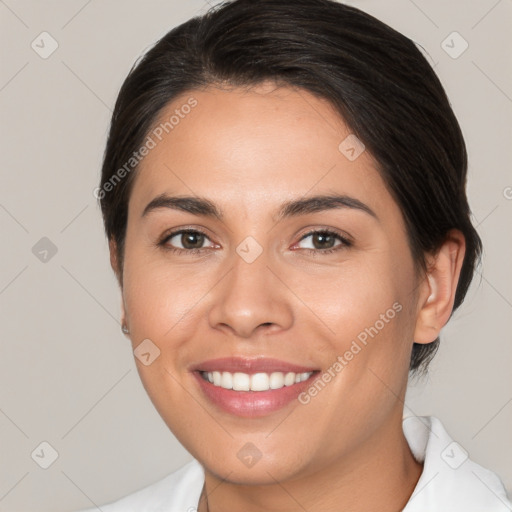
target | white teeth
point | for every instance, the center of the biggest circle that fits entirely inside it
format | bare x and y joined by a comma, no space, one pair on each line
305,376
256,382
299,377
241,382
260,382
226,381
289,379
276,380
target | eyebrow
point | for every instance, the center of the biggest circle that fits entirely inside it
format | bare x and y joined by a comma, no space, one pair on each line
312,204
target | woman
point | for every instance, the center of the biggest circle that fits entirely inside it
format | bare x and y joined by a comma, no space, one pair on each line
290,233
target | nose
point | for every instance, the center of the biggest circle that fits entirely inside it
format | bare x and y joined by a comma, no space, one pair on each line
251,299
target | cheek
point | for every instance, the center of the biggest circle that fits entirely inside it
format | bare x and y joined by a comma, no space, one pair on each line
358,301
157,296
368,309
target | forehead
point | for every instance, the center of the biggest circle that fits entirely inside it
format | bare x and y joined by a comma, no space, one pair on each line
265,143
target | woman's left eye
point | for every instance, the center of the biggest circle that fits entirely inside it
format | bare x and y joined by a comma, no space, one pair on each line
324,241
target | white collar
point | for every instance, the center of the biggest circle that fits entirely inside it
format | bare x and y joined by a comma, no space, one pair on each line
450,480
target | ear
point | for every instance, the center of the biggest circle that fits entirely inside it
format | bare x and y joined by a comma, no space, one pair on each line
437,291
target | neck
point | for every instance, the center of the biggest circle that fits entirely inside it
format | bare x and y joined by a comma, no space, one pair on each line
379,475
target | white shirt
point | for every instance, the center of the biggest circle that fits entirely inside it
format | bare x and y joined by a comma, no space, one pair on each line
450,481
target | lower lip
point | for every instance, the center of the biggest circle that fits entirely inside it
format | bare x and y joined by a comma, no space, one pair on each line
252,404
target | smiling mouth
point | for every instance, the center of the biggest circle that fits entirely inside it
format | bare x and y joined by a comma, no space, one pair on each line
252,387
239,381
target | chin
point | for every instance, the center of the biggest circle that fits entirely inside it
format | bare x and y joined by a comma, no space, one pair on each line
262,473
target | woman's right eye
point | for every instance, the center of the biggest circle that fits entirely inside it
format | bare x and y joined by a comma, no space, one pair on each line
184,240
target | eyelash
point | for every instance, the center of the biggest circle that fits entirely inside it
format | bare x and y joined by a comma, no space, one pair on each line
345,243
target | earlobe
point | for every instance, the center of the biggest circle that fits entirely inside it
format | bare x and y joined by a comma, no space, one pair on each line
437,292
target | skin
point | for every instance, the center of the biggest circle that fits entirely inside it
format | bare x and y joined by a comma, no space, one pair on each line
248,151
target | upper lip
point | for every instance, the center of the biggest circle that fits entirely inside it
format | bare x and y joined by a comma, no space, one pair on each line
250,365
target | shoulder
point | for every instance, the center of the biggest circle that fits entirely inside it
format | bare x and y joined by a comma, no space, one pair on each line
176,492
450,479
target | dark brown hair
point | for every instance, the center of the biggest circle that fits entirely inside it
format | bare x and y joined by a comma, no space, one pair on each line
376,78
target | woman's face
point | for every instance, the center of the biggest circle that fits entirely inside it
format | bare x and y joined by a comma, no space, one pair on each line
254,293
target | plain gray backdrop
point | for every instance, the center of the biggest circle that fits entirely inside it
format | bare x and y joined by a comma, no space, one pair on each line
68,377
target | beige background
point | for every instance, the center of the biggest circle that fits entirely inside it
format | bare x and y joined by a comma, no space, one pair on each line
67,373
